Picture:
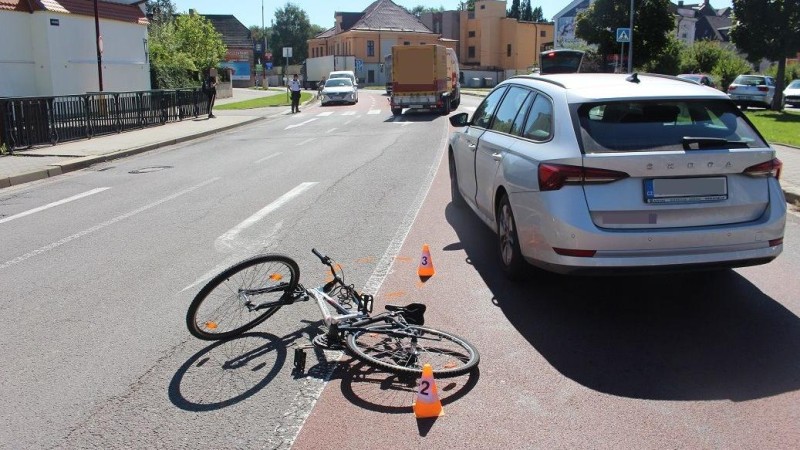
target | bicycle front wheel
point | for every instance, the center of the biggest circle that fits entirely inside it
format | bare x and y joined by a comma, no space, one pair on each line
228,304
405,349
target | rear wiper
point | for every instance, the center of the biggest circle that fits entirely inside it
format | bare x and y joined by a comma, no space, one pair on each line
711,142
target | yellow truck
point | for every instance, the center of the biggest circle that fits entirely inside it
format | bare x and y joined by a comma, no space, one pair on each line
424,77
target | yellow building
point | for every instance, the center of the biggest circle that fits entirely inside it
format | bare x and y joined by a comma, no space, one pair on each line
370,35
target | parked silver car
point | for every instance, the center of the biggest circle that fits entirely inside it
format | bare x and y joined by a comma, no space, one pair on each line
752,90
791,95
594,173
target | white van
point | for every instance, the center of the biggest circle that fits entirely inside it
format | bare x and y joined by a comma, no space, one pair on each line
344,74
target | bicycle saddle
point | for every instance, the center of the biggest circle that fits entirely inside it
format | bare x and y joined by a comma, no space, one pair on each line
414,313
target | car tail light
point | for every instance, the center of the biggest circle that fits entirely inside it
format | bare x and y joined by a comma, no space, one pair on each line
775,242
765,169
575,252
731,88
553,177
763,89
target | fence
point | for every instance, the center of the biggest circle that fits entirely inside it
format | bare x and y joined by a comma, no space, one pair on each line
30,121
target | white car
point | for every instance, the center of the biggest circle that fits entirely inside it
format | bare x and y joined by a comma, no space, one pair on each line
349,74
791,95
338,90
752,90
616,173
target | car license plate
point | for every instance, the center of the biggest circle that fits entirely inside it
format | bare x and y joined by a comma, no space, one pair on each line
416,106
685,190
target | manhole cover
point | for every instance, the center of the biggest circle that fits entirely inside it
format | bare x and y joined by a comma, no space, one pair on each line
150,169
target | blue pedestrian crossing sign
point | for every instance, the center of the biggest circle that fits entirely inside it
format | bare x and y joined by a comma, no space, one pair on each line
623,34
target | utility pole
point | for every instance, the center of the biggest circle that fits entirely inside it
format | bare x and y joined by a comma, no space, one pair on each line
98,44
630,45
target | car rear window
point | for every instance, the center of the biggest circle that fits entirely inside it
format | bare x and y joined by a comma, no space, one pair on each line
747,80
664,126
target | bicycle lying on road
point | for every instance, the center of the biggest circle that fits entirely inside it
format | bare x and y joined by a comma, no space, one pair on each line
251,291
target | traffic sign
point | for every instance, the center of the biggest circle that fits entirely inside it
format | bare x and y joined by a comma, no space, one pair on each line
287,52
623,34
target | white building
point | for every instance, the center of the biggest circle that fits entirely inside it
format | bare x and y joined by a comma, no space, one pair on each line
49,47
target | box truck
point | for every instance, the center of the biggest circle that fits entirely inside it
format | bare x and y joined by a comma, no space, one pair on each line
424,77
315,69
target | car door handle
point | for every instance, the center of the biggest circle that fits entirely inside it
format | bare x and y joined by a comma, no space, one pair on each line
471,146
497,156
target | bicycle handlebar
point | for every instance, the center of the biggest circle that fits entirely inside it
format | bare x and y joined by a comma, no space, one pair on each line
325,260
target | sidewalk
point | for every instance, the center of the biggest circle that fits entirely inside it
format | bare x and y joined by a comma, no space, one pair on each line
43,162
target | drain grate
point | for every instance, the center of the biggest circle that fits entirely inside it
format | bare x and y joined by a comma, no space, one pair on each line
150,169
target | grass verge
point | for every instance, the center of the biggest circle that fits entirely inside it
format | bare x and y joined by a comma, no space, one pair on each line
779,127
264,102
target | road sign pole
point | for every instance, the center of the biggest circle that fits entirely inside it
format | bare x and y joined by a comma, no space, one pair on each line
630,43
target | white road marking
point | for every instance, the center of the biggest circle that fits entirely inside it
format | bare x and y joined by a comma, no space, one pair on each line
349,113
300,124
325,114
105,224
305,142
233,232
374,111
331,130
50,205
267,157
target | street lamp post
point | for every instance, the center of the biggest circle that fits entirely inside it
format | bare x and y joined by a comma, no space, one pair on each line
98,43
630,45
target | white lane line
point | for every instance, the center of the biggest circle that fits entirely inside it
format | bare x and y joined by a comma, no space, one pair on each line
50,205
305,142
349,113
374,111
348,122
325,114
331,130
300,124
105,224
267,157
224,240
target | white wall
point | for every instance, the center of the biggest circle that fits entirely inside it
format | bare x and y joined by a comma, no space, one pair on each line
17,65
64,57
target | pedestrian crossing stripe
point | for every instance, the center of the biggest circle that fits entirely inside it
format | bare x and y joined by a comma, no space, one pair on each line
325,114
374,111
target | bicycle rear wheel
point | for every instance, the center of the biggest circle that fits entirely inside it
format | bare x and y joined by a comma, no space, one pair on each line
225,307
404,350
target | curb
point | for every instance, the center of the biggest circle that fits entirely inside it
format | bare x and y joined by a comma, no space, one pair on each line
87,161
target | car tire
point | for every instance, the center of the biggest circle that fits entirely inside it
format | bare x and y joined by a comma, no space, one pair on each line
511,260
397,111
456,198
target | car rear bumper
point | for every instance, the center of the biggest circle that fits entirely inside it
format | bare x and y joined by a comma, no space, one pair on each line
648,250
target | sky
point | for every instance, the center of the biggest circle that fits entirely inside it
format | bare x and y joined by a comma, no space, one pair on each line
320,12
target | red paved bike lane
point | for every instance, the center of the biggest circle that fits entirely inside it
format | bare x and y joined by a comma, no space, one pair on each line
521,397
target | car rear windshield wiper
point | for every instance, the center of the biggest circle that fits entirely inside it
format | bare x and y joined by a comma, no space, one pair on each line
711,142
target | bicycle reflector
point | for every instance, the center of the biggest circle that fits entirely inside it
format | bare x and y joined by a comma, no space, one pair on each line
211,325
276,277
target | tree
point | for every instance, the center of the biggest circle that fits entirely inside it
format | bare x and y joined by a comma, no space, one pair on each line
514,12
420,10
198,38
160,11
292,29
701,57
768,30
652,24
538,15
527,12
669,60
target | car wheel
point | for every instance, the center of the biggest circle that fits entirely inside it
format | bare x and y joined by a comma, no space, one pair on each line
508,243
456,198
397,111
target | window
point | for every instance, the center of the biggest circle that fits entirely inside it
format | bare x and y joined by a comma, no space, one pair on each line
542,33
508,50
516,128
483,115
406,43
539,125
370,76
471,34
471,52
507,112
483,6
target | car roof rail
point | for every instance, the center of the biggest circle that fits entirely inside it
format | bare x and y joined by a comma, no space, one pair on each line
534,77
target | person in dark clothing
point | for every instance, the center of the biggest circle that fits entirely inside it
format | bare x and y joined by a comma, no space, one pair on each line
294,88
210,88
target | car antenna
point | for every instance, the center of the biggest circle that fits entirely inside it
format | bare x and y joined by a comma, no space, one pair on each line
634,78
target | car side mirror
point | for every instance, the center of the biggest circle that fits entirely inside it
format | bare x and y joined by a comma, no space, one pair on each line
459,120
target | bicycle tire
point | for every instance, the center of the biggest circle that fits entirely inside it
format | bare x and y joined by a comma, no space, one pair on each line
374,346
218,311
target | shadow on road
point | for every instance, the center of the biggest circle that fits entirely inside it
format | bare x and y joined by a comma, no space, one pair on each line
700,336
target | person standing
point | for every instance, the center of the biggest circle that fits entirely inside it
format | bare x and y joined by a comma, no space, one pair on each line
210,86
294,88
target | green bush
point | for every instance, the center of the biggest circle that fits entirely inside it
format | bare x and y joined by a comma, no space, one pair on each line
702,57
668,62
162,77
792,72
729,66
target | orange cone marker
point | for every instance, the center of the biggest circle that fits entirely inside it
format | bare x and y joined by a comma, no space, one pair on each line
425,268
428,403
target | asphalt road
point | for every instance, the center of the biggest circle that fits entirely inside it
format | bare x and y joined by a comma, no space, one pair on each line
95,291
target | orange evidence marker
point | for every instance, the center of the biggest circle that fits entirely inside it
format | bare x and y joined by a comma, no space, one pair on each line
428,403
425,268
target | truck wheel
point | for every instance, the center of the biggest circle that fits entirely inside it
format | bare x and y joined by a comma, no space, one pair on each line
397,111
446,106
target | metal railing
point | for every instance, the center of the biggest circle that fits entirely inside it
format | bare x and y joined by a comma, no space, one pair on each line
31,121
